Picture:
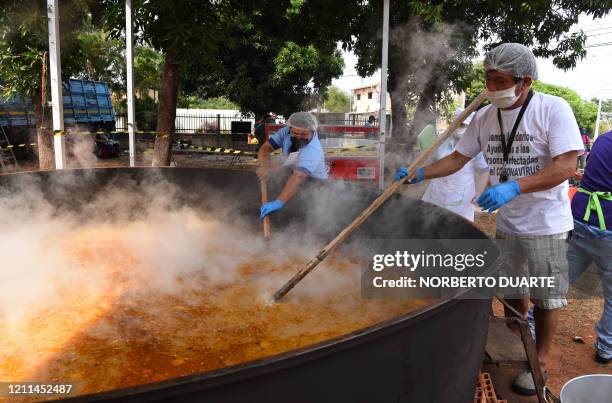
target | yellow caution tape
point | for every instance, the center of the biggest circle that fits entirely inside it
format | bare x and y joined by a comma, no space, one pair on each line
348,149
220,150
10,146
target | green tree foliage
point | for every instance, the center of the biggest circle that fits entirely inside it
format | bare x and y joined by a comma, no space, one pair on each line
148,65
432,43
606,104
194,102
476,79
23,40
258,54
267,62
24,37
337,100
186,32
584,111
102,55
605,124
146,112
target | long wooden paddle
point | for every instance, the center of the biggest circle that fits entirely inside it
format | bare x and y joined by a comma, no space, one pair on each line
264,199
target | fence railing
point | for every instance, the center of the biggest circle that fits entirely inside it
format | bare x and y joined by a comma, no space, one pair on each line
222,124
195,123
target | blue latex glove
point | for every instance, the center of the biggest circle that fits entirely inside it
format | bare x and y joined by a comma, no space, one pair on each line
498,195
270,207
403,171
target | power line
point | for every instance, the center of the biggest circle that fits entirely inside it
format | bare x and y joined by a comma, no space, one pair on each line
597,45
599,24
608,26
599,34
592,85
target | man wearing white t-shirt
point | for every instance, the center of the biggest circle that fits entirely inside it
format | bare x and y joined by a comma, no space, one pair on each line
531,142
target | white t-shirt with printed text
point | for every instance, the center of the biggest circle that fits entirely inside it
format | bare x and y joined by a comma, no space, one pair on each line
548,129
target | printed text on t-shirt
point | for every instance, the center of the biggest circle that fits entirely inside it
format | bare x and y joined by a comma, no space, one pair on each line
520,161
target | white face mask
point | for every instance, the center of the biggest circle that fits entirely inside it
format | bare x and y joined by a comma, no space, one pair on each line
504,98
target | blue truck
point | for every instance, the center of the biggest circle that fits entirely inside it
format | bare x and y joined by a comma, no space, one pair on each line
87,107
86,103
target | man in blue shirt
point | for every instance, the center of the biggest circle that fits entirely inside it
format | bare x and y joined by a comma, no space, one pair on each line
591,240
300,144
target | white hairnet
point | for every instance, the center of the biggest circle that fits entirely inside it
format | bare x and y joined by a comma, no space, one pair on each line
467,120
512,58
303,120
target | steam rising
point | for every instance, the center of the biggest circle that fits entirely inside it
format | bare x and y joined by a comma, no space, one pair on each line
426,54
82,148
427,60
167,244
163,244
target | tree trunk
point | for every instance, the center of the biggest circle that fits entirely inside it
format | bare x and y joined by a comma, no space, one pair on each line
424,113
44,134
399,94
167,111
90,70
398,116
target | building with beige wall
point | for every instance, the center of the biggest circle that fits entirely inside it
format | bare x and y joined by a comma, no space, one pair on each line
365,100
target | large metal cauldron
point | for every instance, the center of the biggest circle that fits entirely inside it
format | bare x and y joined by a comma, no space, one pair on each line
431,355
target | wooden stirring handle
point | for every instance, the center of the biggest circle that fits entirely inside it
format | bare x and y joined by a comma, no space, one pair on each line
264,199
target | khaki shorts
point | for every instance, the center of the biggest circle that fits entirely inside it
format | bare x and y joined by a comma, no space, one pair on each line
536,256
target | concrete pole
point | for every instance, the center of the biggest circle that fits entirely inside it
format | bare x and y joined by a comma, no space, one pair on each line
57,102
597,121
129,62
382,116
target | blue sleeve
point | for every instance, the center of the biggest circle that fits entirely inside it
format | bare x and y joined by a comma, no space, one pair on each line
277,139
310,159
479,162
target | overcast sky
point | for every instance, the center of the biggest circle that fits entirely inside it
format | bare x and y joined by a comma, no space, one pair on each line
592,76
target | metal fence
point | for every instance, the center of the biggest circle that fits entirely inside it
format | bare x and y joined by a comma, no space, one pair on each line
350,121
222,124
197,123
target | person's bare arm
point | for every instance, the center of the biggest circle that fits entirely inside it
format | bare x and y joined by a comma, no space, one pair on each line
444,167
561,169
292,186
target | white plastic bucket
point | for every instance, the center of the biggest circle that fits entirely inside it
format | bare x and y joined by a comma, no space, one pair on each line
595,388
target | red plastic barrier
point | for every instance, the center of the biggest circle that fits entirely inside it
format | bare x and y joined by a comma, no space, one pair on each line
353,168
